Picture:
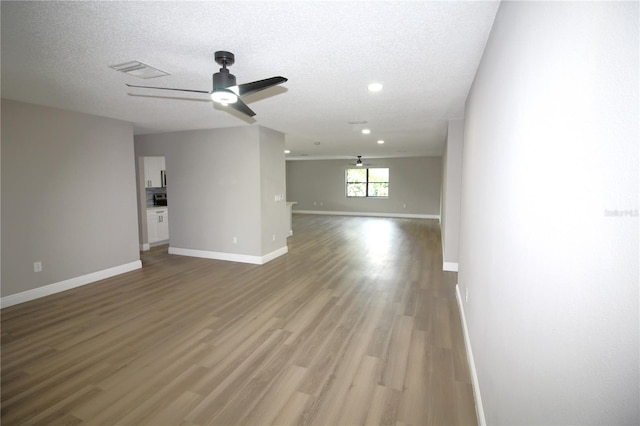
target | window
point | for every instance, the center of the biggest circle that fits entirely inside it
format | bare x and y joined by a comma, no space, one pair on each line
368,182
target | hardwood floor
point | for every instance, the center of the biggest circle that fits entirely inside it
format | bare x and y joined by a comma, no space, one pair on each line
357,324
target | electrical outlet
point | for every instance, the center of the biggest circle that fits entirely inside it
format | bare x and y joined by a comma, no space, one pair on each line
235,240
466,295
37,266
404,206
274,237
314,203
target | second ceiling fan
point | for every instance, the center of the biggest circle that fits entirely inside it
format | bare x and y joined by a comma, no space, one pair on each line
359,162
225,91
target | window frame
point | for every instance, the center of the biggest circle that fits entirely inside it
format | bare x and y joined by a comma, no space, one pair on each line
367,183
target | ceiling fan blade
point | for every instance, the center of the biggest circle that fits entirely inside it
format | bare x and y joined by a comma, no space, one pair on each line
169,88
256,86
242,107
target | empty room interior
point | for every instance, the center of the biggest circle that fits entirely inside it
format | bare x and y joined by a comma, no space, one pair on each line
320,213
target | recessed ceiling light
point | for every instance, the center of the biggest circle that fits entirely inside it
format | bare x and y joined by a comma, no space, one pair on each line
366,131
374,87
316,143
380,141
286,151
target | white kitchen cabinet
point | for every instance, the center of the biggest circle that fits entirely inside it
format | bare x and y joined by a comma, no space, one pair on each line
157,224
152,226
163,226
154,168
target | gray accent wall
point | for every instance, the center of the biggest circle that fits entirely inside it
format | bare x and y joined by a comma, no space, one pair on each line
68,195
319,185
221,184
549,224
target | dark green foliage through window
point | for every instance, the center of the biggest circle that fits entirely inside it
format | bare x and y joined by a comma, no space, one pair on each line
363,182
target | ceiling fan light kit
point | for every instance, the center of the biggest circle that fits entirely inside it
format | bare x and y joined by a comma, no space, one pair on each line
225,91
224,97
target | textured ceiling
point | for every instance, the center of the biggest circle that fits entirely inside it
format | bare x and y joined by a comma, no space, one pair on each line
425,53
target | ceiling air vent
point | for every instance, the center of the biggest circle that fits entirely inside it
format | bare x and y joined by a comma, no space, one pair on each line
138,69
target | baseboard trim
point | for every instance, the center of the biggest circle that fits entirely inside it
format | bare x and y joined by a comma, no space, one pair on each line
450,266
372,214
231,257
274,254
60,286
158,243
472,365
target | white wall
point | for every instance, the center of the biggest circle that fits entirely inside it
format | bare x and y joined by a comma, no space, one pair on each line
550,150
68,198
451,194
274,218
214,188
414,182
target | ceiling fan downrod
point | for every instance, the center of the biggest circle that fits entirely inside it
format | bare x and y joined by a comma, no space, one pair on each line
224,79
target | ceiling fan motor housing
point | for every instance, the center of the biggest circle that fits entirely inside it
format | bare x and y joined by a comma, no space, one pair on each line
223,79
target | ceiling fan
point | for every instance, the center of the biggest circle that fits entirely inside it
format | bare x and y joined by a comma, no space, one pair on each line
359,162
225,91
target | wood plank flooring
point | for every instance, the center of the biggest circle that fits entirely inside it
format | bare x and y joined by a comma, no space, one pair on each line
357,324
